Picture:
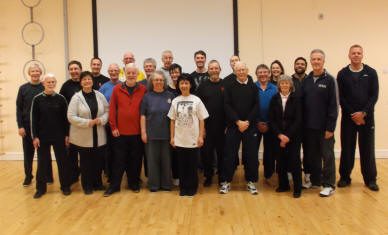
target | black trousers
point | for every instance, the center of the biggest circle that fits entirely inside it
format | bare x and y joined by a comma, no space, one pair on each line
174,163
109,151
269,156
91,166
319,153
44,159
28,153
214,143
249,141
127,157
366,144
288,161
73,163
188,166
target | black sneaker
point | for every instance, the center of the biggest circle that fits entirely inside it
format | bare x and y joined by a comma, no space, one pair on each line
27,181
343,183
207,182
88,191
297,194
66,191
38,194
373,186
110,191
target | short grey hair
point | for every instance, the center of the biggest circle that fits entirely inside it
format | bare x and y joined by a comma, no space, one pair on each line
318,51
166,51
150,86
130,65
150,60
48,75
34,65
240,63
288,79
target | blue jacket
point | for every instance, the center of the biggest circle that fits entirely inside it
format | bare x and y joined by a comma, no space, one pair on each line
320,102
265,98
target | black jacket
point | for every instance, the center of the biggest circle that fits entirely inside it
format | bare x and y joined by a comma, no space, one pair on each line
358,94
287,122
320,102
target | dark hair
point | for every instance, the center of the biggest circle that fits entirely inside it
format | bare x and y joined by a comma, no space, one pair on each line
95,58
200,52
300,58
74,62
262,66
280,65
175,66
186,77
84,74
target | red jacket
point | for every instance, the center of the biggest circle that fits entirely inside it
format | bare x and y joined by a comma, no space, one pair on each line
124,109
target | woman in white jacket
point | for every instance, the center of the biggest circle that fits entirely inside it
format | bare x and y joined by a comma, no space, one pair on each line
87,114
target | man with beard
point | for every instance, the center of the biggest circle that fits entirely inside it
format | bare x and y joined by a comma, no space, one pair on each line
98,78
200,74
211,93
300,66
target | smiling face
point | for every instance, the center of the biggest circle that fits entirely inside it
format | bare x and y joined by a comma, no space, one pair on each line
241,72
149,68
200,60
87,82
35,74
356,55
300,67
75,72
214,71
263,75
167,59
317,61
49,84
184,87
158,82
276,70
131,75
285,87
96,65
114,72
175,74
128,58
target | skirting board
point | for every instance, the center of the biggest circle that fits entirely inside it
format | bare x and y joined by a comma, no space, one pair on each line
380,153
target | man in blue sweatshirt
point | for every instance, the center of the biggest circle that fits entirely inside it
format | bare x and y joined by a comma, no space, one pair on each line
320,111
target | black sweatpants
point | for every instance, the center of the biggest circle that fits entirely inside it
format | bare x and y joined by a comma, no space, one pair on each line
44,159
213,143
188,166
269,156
28,153
249,141
128,155
73,163
366,144
288,161
91,165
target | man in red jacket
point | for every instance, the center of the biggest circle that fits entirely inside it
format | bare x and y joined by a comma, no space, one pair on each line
124,120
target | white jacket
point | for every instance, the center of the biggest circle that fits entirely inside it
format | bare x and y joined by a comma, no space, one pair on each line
79,115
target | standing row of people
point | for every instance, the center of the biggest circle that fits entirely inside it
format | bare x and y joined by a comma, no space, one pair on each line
222,114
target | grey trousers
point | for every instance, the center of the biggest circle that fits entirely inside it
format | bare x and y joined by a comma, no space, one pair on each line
318,150
159,164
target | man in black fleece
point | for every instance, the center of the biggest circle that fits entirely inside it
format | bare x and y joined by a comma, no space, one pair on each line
241,103
358,91
211,93
98,78
49,127
320,111
23,109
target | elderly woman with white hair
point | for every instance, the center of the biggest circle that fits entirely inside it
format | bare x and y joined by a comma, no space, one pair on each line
87,114
49,127
285,118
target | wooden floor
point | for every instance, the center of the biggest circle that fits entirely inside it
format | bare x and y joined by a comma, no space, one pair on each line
353,210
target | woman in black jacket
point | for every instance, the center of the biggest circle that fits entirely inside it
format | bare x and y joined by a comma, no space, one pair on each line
285,118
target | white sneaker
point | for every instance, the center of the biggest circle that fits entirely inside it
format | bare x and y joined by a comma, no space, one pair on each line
289,175
175,182
327,191
307,185
225,187
307,177
252,188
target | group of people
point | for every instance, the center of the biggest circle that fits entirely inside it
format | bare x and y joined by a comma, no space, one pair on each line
177,122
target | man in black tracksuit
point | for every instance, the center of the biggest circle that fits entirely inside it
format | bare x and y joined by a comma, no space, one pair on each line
320,111
358,92
211,92
23,108
49,127
242,109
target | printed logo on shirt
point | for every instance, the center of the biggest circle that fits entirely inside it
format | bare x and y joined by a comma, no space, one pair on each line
365,75
222,88
169,101
322,85
185,113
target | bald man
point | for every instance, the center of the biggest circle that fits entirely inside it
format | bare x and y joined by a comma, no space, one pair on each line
129,57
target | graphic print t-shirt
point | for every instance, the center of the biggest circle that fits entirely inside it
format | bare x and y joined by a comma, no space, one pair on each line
187,111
